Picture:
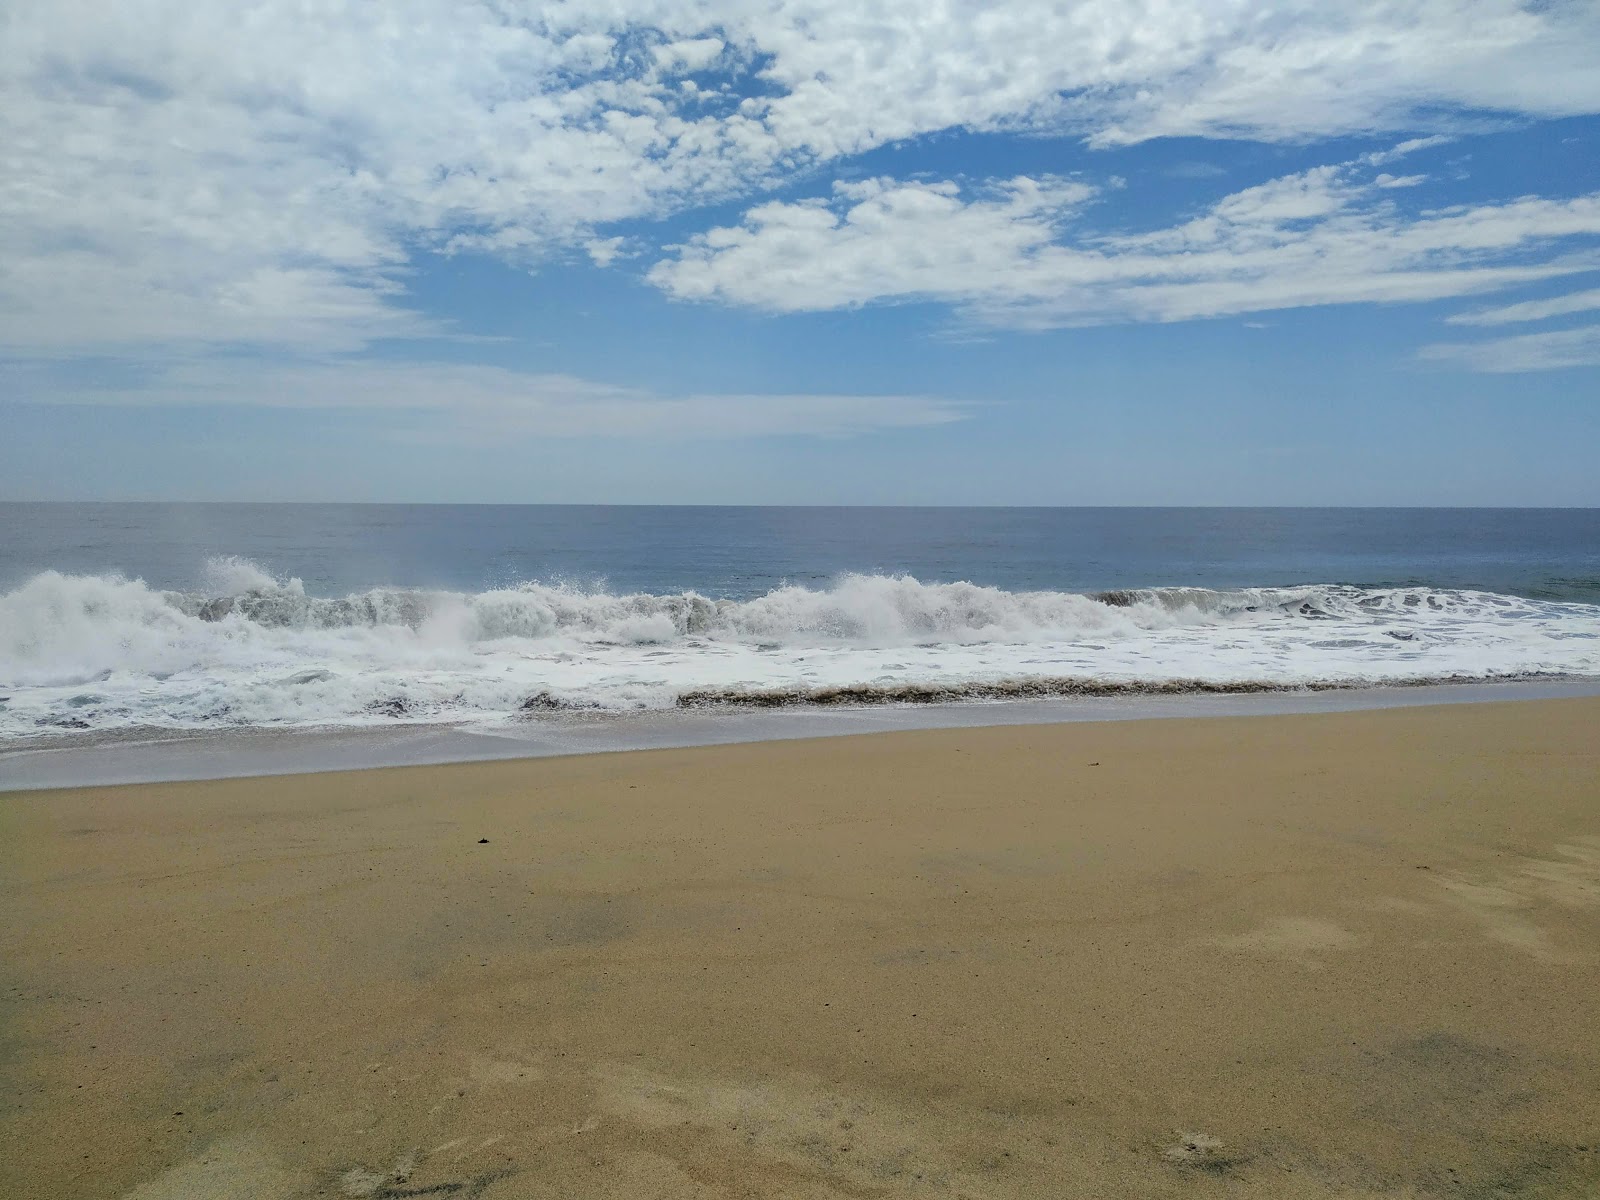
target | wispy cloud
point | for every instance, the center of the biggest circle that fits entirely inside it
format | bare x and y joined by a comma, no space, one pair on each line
1399,181
1383,158
1531,310
483,402
1526,352
1023,253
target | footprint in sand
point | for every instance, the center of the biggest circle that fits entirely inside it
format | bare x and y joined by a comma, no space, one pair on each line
1200,1152
360,1182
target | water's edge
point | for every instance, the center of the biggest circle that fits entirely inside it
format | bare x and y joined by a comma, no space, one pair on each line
160,758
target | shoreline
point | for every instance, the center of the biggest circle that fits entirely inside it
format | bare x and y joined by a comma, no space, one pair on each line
164,756
1331,956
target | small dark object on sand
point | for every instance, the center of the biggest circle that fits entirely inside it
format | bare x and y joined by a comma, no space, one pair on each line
483,841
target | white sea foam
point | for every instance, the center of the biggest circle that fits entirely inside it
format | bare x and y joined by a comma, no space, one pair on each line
95,653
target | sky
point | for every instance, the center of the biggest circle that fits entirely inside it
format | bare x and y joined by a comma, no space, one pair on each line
801,251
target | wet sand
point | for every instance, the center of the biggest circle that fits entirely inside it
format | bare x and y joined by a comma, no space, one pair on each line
1333,955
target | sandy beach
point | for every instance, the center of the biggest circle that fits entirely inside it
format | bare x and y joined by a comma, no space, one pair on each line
1334,955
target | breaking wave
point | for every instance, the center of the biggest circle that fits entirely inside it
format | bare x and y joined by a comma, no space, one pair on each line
247,649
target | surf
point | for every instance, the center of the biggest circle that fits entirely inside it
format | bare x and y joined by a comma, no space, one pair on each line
246,648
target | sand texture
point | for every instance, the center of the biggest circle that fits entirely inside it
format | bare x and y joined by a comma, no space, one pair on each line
1350,955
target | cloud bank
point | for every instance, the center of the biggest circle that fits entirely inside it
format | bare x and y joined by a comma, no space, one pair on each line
186,180
263,173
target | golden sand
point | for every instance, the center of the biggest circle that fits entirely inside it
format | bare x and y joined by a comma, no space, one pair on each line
1352,955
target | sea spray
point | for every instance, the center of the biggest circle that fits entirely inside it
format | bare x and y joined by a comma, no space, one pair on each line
90,652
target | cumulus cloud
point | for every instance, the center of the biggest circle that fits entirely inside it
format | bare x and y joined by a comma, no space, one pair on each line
691,54
485,401
875,239
220,174
263,174
1019,253
1119,71
604,251
1527,352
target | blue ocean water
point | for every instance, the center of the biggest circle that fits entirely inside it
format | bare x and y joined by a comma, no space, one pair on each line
128,616
740,553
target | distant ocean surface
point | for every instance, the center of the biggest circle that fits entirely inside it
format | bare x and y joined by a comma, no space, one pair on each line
118,617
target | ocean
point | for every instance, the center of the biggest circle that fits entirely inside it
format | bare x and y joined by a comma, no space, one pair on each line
121,618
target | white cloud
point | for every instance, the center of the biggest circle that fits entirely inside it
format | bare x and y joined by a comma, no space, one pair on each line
485,402
691,54
880,237
857,74
214,174
1018,253
604,251
1531,310
1410,146
1527,352
1306,196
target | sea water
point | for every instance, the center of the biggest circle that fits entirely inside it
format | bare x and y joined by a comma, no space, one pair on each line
129,617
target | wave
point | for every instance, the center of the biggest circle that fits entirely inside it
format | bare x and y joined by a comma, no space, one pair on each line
245,648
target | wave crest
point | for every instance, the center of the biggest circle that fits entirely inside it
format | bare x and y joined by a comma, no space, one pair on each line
248,648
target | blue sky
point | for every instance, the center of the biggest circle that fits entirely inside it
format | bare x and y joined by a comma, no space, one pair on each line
815,252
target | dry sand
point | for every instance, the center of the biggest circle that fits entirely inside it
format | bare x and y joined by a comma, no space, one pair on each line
1351,955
